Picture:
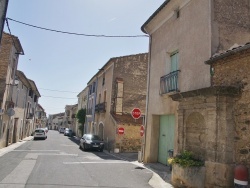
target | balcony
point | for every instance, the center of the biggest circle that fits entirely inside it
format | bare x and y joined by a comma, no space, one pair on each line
30,116
100,108
169,82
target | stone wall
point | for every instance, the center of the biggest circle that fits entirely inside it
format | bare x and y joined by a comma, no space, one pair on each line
133,70
130,141
234,70
206,128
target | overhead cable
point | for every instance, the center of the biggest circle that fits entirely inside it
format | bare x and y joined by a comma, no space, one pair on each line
58,90
58,97
79,34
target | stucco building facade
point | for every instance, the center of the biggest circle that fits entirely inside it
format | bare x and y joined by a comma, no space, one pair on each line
184,34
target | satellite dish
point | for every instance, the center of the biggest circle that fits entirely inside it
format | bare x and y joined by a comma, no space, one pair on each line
10,112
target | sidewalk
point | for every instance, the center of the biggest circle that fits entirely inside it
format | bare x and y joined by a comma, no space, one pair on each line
162,174
14,145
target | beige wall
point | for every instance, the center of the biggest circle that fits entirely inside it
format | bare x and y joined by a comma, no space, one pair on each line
203,28
104,118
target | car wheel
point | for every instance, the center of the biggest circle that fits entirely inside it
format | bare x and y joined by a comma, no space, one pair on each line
101,150
84,147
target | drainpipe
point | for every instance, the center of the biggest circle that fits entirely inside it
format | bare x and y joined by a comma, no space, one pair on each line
147,97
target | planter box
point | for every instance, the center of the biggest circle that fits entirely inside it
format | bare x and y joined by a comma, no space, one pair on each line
188,176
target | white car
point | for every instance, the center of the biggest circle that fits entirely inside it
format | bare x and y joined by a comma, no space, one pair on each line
40,134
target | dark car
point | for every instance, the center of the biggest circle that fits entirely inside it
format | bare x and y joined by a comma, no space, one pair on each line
68,132
93,142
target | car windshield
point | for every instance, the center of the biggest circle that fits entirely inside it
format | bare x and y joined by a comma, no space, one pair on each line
95,137
39,130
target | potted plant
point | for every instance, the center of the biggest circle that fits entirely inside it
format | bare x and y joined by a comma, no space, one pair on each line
188,170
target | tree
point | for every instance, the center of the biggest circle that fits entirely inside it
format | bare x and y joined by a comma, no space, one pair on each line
81,116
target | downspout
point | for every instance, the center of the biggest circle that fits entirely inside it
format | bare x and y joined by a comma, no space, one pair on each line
147,97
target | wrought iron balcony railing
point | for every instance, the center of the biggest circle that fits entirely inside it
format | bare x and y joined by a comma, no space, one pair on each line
100,107
169,82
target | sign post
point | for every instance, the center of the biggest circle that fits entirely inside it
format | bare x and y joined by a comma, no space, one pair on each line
142,130
120,131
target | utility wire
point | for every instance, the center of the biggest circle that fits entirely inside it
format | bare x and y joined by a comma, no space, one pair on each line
59,90
81,34
58,97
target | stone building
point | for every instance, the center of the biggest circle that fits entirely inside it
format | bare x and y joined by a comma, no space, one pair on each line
82,104
213,121
121,87
25,97
183,35
40,117
9,54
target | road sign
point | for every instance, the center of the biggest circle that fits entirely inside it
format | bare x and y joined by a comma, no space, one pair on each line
120,130
142,130
136,113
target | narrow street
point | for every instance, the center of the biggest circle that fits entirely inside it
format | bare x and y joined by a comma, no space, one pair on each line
58,162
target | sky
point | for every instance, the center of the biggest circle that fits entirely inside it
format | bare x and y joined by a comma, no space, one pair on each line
61,64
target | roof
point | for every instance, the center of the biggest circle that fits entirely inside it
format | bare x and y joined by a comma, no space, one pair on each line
25,81
233,50
34,88
16,43
126,119
153,15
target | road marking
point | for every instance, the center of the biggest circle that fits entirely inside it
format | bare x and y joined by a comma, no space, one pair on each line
74,145
21,173
108,162
34,156
36,150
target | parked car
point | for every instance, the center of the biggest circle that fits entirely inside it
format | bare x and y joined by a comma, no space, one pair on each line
89,141
68,132
62,129
40,134
46,129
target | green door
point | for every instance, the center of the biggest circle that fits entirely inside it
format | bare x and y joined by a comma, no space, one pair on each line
166,137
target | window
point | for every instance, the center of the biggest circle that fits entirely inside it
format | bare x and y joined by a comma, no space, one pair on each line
93,87
30,93
99,100
90,89
104,97
103,79
174,61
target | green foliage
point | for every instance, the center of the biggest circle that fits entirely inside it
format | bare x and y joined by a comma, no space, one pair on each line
186,159
81,116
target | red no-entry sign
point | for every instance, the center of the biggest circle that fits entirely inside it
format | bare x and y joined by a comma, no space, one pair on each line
120,130
136,113
142,130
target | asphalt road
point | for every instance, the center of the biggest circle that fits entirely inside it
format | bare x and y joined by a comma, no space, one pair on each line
58,162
